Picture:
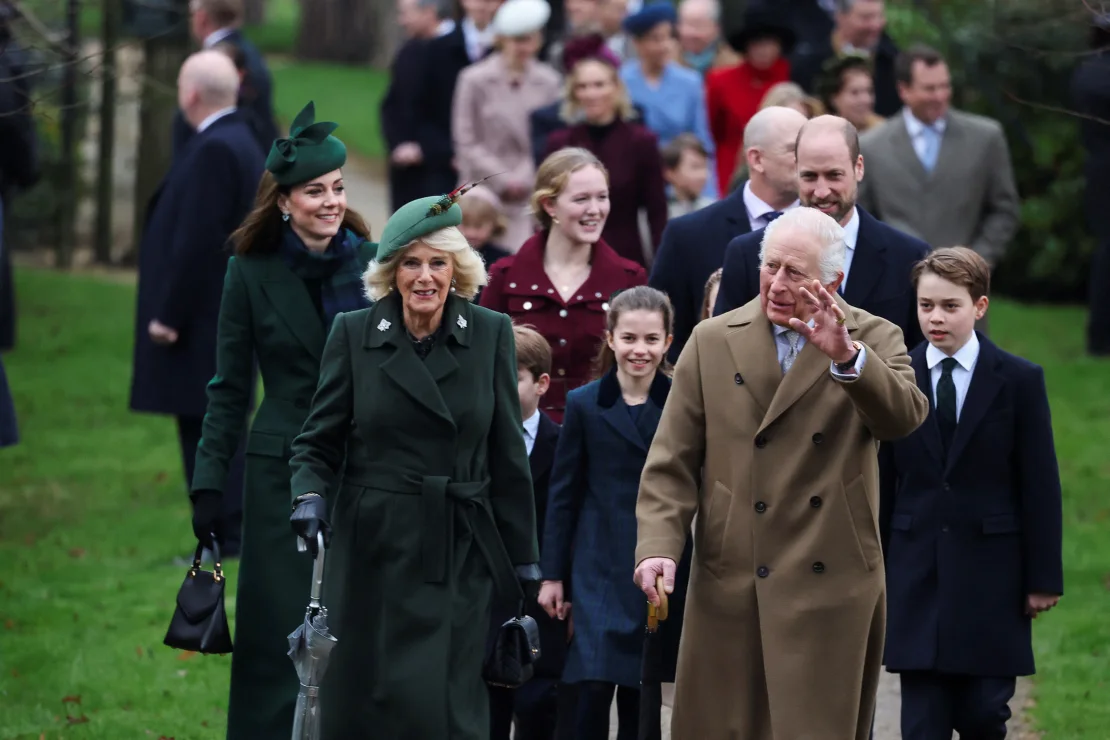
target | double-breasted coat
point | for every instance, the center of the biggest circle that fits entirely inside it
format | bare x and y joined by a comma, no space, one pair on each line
492,133
266,313
519,286
590,534
784,618
427,476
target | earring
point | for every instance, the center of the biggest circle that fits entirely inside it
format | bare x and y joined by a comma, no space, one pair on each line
285,217
453,284
554,220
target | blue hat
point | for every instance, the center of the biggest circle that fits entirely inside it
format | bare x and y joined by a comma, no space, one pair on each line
650,16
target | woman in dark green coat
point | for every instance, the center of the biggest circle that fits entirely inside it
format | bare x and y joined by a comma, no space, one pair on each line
414,445
299,257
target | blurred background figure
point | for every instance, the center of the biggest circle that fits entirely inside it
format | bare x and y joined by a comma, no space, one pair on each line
700,46
846,87
483,225
791,95
712,285
493,101
582,18
686,169
610,21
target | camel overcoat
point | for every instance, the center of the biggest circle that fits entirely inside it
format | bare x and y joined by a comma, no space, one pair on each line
784,620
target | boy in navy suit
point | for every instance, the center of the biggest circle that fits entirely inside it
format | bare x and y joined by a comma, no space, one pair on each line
535,705
972,520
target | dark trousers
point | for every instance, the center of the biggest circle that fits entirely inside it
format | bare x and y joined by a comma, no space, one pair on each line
188,434
1098,300
936,704
595,702
534,706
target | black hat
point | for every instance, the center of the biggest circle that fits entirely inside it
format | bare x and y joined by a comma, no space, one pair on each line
762,23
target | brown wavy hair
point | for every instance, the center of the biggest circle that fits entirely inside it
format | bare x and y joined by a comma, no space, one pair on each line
639,298
261,230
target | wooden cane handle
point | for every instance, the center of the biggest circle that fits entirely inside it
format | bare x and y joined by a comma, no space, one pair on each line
664,606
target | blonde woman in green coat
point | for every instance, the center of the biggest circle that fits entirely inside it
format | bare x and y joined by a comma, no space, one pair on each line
414,444
299,258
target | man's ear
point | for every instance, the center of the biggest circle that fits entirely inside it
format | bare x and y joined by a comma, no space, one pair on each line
543,384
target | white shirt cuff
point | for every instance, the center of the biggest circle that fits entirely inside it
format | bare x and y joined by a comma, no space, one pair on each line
853,373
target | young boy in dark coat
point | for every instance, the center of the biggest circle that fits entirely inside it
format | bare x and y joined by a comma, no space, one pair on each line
534,705
973,516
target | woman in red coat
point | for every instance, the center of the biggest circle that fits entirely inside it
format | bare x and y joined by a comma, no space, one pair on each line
733,94
597,100
562,278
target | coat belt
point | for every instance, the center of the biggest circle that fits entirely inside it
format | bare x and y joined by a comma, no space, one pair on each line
471,502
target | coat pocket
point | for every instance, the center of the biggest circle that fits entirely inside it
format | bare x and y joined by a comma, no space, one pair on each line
863,523
267,445
712,521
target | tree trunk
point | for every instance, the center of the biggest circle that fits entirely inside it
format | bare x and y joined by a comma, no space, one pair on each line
341,30
254,12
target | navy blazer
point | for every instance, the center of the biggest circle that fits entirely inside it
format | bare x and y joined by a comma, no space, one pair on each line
183,257
971,535
692,249
879,279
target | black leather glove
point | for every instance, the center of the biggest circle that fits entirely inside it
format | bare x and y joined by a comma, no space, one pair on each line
206,517
530,580
310,517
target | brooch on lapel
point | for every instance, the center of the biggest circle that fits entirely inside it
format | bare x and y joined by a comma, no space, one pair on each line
461,322
383,325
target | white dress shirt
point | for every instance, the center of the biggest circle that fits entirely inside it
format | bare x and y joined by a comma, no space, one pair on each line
851,236
446,26
916,130
758,211
782,348
215,117
531,429
966,357
477,42
216,37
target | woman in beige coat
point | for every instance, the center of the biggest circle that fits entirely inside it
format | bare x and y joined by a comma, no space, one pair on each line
493,100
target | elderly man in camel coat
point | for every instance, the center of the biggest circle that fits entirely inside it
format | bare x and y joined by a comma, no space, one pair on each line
770,436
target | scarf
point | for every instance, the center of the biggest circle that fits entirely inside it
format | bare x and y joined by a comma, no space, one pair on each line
337,269
703,60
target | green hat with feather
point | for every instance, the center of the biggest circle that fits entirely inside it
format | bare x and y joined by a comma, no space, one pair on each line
421,217
310,150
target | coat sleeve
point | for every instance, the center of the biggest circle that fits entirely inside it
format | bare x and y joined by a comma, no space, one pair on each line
319,450
668,497
653,190
199,244
668,274
514,505
1002,211
565,495
885,394
1039,488
229,391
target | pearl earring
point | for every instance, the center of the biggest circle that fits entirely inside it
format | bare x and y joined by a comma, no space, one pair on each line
453,284
285,217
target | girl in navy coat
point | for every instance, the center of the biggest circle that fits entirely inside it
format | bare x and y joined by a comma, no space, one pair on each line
590,533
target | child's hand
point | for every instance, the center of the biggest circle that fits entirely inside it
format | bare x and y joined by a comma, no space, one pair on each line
1037,603
551,599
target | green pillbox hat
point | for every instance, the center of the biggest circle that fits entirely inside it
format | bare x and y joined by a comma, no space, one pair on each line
310,150
416,219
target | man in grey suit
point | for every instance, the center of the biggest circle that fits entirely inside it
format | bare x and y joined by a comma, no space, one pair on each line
937,173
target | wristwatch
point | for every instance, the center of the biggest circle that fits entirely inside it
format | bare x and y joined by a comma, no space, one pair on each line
843,367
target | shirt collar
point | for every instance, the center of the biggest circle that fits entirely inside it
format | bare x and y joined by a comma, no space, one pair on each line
474,37
216,37
215,117
532,424
446,26
851,230
757,208
914,127
966,355
780,330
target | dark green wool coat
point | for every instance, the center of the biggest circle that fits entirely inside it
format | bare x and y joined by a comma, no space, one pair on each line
266,312
427,474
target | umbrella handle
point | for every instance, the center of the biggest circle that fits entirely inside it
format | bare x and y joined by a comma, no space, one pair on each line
317,572
660,612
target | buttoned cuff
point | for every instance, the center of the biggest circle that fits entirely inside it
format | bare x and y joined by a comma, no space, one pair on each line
854,372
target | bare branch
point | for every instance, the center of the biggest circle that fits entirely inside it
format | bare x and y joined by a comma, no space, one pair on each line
1053,108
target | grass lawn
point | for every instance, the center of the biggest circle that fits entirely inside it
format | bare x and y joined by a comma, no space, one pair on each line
92,512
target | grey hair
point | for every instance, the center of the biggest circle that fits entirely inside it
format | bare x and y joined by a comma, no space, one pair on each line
712,6
823,228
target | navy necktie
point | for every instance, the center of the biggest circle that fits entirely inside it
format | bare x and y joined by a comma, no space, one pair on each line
769,217
946,401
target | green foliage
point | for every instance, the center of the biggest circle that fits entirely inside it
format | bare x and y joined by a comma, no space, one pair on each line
278,35
1012,61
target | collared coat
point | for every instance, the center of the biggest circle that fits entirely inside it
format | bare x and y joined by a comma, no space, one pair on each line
426,474
493,136
784,618
266,313
519,287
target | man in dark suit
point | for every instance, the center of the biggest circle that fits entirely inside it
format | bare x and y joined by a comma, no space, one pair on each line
693,246
879,259
212,22
183,257
972,525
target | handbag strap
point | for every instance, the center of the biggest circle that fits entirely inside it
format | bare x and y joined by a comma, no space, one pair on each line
217,567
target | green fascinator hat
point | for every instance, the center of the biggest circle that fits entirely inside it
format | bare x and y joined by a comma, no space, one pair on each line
417,219
310,150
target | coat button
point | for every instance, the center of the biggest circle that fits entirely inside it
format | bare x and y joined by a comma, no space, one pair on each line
946,486
512,285
561,371
563,313
605,306
528,305
760,507
761,441
597,295
562,343
739,379
550,290
763,571
818,438
815,502
818,567
579,298
944,528
535,287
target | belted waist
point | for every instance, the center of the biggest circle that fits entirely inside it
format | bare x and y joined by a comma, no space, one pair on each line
470,499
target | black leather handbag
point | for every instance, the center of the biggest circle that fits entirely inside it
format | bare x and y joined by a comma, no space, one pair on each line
515,649
200,621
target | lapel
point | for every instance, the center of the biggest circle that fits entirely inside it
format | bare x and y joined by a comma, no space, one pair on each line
867,262
904,152
543,451
930,431
812,365
985,384
736,214
615,411
292,304
420,379
753,351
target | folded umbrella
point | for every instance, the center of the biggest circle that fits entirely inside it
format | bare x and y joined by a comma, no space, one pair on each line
310,645
651,669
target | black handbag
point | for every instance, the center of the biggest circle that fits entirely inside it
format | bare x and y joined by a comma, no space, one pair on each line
516,648
200,621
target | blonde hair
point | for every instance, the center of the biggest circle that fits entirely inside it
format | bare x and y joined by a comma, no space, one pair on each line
477,208
569,111
789,94
470,272
552,176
